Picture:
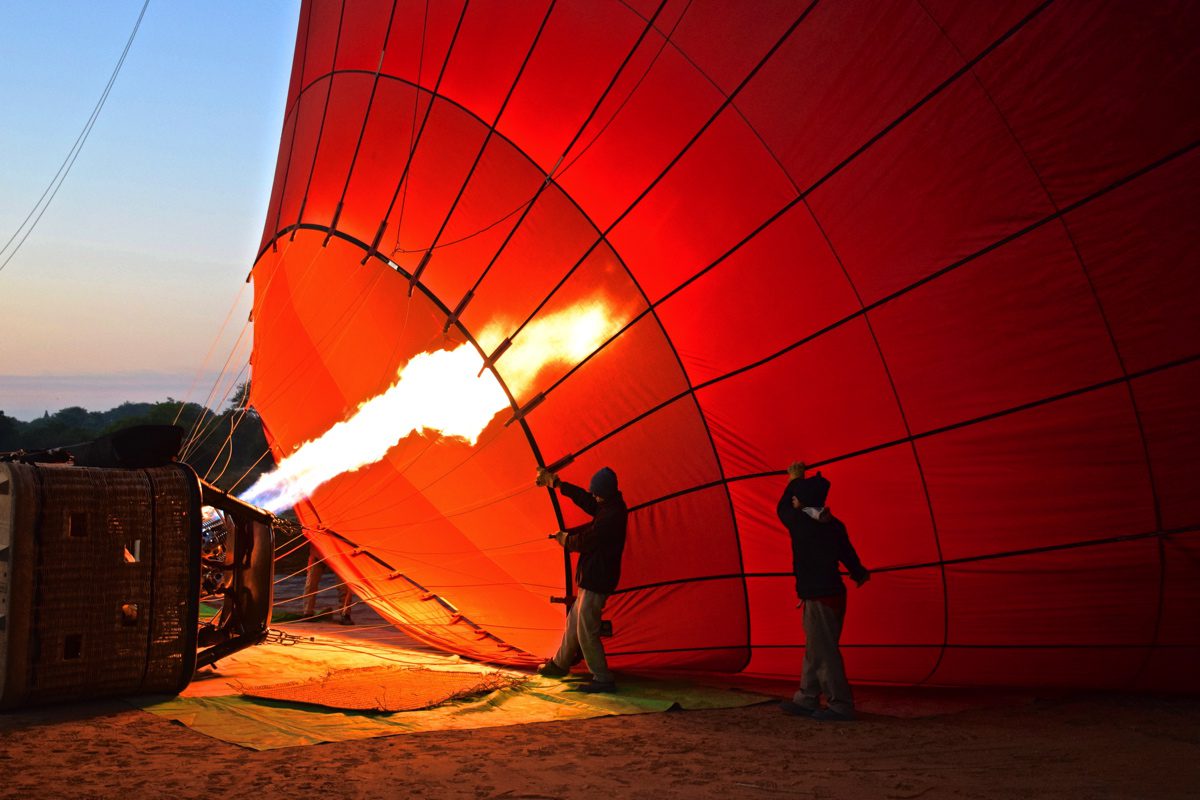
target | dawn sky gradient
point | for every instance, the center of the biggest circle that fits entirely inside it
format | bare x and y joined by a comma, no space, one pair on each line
121,290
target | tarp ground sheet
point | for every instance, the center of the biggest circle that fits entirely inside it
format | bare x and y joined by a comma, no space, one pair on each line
213,704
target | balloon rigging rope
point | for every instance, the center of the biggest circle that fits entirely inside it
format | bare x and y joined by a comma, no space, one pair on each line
64,169
200,423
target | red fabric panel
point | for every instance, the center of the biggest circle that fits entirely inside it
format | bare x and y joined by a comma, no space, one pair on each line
502,183
749,306
1062,667
972,27
861,64
689,625
439,168
944,184
282,164
1095,93
299,57
1170,417
1170,669
685,538
640,359
310,110
339,136
1098,595
479,74
287,361
678,458
725,51
974,342
826,399
1141,244
420,40
386,143
642,136
1068,471
321,39
720,191
553,238
1181,590
363,32
555,80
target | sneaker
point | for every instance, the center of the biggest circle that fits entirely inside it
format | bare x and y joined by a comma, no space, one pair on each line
346,620
829,715
551,669
597,687
795,709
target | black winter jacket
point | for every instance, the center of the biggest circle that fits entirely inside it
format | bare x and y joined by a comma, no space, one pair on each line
817,547
600,542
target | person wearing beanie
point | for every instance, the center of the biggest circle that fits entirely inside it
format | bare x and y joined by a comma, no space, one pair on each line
819,543
600,544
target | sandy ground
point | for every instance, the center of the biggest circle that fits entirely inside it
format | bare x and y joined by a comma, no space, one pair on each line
1082,747
907,744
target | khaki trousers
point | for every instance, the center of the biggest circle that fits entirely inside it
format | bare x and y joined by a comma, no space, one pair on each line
823,671
583,636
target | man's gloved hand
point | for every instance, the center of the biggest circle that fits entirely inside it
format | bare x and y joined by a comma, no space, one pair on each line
546,478
795,470
866,577
561,538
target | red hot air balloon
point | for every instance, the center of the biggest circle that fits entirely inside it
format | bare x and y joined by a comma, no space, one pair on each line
945,251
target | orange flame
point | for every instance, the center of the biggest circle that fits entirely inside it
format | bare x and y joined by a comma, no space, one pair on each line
439,393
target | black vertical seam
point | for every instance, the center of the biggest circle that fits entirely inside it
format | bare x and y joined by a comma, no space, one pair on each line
300,91
412,133
491,129
367,113
312,166
1137,415
433,96
907,432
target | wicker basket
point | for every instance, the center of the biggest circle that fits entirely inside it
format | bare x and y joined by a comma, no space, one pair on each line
99,581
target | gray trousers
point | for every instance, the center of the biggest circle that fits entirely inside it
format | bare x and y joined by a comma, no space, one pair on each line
583,635
823,671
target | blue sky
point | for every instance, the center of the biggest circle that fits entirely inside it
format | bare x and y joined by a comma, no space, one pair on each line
123,287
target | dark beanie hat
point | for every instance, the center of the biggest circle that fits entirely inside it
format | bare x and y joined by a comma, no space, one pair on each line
604,483
813,491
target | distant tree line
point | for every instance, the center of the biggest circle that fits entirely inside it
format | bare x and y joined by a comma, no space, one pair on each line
222,446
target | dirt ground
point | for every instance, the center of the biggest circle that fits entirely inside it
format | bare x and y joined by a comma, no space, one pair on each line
1079,747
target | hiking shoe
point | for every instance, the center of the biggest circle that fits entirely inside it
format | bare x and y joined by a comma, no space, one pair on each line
795,709
596,687
829,715
345,620
551,669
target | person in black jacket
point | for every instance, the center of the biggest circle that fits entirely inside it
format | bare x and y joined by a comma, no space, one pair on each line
819,543
600,544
